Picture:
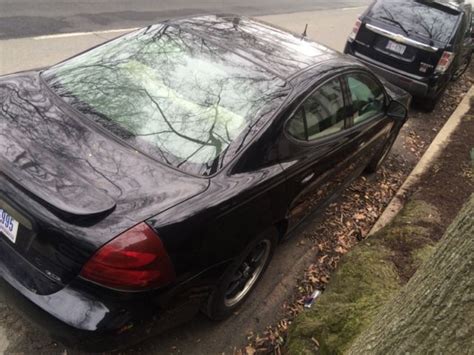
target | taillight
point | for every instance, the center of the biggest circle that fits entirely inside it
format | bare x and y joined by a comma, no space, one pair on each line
445,61
355,30
136,260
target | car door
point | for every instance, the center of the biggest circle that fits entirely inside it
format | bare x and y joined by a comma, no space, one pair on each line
372,131
315,149
331,137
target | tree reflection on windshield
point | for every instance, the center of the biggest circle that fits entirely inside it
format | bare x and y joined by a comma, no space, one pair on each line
167,92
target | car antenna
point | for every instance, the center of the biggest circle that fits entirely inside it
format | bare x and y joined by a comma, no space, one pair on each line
304,34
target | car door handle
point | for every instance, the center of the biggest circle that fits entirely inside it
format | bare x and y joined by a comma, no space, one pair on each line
307,178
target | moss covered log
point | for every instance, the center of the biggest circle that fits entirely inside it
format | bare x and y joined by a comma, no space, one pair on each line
434,312
368,276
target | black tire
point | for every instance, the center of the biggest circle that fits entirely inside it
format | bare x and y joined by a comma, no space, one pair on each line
462,68
426,104
380,157
222,303
429,105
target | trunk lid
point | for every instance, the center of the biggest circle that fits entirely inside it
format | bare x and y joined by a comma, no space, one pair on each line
387,45
71,187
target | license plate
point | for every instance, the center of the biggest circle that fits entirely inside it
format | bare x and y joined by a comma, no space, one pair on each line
8,225
396,47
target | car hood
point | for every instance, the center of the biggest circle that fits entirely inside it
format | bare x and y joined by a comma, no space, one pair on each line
72,167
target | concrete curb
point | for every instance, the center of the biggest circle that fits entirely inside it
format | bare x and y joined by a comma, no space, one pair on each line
435,148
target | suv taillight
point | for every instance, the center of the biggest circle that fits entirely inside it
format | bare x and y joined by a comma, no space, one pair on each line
135,260
445,61
355,30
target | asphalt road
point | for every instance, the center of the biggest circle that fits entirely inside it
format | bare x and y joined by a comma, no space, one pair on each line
28,18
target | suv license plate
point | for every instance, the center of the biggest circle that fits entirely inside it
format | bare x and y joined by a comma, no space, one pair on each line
396,47
8,225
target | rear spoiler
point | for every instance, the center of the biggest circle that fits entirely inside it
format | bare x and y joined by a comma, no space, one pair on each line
69,197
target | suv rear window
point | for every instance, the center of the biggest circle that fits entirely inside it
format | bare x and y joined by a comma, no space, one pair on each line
418,18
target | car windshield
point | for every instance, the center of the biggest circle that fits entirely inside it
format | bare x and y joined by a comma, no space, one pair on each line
417,18
169,93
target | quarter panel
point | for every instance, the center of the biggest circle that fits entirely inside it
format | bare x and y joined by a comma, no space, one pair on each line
215,227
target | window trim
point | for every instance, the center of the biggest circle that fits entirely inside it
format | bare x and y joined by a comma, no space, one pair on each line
346,100
305,122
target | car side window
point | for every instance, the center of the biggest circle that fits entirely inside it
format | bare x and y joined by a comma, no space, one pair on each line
297,125
321,114
368,98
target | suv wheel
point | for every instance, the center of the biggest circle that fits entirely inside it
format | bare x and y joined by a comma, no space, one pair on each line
462,68
429,104
426,104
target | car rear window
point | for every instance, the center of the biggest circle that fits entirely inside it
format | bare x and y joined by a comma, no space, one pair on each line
169,93
419,18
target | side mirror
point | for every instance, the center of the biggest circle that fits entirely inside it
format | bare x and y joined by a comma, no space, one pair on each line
397,111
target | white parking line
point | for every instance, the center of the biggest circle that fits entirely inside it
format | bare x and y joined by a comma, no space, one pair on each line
75,34
353,8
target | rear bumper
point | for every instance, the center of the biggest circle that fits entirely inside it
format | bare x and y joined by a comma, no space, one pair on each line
422,87
83,322
90,318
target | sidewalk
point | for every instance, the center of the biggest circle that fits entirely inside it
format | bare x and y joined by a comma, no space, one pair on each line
329,27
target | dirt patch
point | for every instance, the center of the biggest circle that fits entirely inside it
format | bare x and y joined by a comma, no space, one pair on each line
449,183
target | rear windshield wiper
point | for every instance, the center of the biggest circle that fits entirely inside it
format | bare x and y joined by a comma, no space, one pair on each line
395,22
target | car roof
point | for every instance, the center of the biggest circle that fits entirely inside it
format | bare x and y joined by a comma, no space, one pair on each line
279,51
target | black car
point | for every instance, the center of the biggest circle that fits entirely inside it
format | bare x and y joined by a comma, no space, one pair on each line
153,176
418,45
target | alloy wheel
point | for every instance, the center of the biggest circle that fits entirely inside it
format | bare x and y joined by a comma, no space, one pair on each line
248,273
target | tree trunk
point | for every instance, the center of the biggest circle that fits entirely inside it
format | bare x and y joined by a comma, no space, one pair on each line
434,311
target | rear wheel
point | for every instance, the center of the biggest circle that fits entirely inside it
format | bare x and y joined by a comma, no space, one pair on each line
241,277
